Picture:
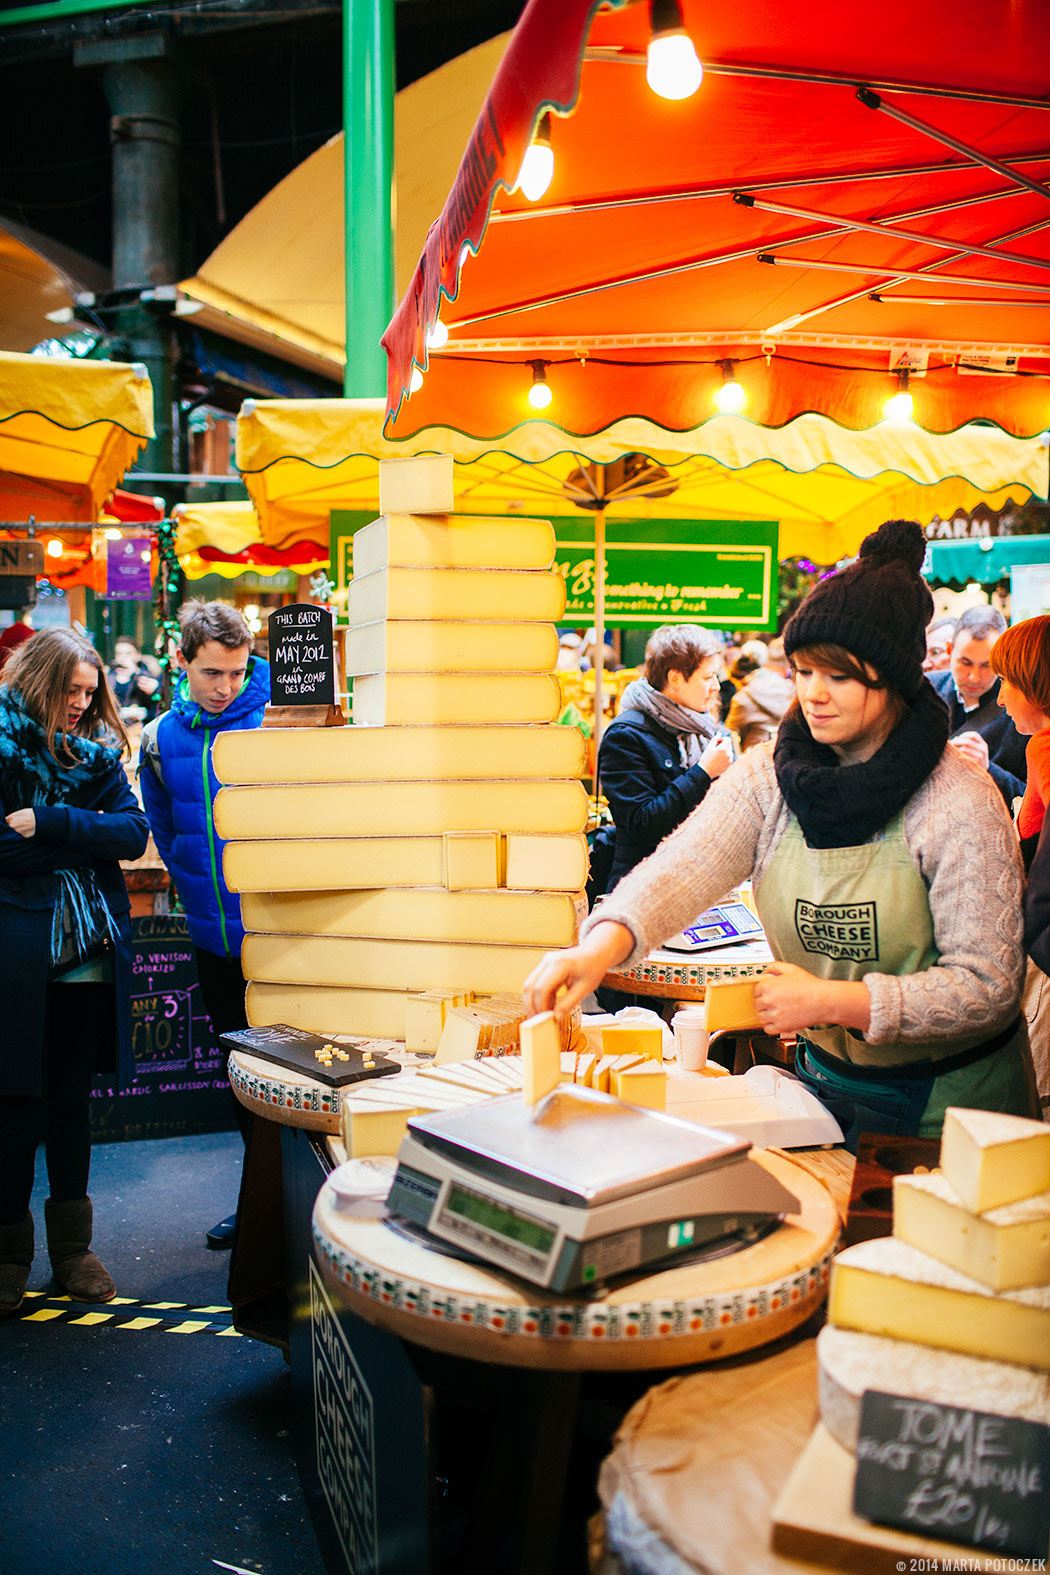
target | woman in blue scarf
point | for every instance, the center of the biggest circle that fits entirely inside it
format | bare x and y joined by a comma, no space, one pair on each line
67,816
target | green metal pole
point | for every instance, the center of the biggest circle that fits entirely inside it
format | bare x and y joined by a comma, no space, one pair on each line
368,126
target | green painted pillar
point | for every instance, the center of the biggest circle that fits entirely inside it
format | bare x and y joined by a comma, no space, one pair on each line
368,126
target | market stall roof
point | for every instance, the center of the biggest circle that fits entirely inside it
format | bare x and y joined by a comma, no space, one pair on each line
849,183
68,432
278,282
227,539
37,276
827,487
982,562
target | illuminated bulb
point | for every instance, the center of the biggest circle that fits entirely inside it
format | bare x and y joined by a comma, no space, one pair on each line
113,535
540,395
900,405
672,67
537,167
54,548
731,397
415,382
437,335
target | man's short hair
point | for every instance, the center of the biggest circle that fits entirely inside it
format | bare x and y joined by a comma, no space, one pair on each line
983,622
942,623
201,621
680,648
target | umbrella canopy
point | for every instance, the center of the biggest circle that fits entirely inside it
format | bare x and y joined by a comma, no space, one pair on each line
227,539
851,189
68,432
826,487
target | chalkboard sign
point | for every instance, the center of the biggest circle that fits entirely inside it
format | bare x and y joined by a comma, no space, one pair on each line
954,1474
302,657
335,1059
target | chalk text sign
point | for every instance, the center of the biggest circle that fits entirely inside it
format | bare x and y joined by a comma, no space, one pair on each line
302,656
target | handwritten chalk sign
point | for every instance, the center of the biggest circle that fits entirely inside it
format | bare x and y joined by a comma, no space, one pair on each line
954,1474
302,658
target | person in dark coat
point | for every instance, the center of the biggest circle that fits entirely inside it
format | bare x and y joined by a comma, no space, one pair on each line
660,754
68,817
980,727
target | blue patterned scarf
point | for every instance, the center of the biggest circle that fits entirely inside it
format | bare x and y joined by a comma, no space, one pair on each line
30,776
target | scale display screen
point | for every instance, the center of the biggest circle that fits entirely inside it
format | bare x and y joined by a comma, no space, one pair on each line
500,1219
719,926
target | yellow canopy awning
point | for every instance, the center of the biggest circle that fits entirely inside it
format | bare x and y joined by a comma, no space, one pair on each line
233,529
828,487
68,432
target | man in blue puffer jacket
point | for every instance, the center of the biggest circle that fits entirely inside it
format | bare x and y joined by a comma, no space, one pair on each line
222,686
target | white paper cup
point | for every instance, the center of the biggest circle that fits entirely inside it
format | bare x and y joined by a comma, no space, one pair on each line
691,1039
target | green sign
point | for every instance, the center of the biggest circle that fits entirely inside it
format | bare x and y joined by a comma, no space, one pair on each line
342,523
713,572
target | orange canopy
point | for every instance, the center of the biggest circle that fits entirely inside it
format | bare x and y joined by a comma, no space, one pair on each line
849,182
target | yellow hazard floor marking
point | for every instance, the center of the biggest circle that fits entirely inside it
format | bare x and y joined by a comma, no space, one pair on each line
139,1323
43,1316
93,1318
225,1309
191,1326
163,1306
228,1334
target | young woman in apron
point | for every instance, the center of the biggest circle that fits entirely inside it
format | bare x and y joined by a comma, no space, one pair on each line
885,869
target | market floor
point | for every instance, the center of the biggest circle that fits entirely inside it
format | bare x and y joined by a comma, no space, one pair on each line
139,1437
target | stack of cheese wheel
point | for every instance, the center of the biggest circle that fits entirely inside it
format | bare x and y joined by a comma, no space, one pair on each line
437,844
954,1307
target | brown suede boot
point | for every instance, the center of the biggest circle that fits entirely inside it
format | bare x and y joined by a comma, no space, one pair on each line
16,1259
76,1269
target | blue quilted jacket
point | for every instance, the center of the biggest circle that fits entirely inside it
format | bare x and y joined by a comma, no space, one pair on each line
178,790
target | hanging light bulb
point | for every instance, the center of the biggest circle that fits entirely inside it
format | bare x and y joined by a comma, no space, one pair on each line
672,67
437,335
900,405
54,548
537,167
415,382
540,395
730,397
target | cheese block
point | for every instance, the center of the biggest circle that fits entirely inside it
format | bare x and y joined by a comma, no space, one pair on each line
887,1287
470,859
465,1074
348,863
374,1129
623,1039
400,538
397,647
731,1005
327,1009
419,483
585,1066
849,1363
390,809
645,1084
425,1015
434,699
387,965
265,755
601,1071
544,863
417,914
540,1056
991,1159
477,1030
405,593
1005,1248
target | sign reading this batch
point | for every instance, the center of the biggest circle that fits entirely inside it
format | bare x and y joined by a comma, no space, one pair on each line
302,657
953,1474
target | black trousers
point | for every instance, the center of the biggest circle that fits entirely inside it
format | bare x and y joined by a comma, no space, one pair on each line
222,990
79,1021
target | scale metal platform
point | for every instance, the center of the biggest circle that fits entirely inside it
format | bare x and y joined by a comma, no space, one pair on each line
580,1188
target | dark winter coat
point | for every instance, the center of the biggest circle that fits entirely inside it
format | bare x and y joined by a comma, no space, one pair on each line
1006,746
649,791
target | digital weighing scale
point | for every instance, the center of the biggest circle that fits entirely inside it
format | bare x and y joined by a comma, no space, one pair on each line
721,925
581,1187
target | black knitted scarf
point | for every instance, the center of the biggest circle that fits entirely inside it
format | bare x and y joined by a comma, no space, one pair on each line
841,806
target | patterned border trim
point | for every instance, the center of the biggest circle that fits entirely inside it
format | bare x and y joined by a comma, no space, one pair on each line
290,1096
695,974
576,1320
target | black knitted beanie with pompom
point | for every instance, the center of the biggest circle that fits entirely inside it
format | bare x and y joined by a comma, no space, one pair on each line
877,608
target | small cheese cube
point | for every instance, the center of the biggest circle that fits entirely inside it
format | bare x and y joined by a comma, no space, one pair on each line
991,1159
540,1055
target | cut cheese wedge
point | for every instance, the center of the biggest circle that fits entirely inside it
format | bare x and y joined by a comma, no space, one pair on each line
399,647
887,1287
417,914
425,1016
374,1129
367,809
269,755
349,863
731,1005
436,699
849,1363
645,1085
991,1159
622,1039
453,541
386,965
1005,1249
327,1009
419,483
540,1056
545,863
455,593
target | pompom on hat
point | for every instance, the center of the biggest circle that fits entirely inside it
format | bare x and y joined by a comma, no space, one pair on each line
877,608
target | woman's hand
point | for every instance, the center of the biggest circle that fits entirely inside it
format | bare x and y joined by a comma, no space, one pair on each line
790,1000
23,821
717,757
563,979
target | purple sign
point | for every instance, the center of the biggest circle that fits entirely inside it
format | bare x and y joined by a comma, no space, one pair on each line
128,575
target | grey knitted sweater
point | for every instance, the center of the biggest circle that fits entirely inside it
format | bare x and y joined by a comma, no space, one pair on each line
962,841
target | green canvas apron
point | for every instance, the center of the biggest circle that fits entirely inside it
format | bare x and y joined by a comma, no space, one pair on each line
841,913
